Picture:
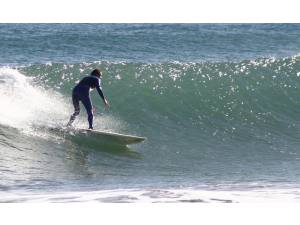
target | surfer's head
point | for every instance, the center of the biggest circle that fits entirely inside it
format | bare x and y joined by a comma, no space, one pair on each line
96,72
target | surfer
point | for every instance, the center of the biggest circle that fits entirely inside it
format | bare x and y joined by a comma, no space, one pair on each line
81,92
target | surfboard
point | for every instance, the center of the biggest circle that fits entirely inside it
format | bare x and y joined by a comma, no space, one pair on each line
97,136
111,137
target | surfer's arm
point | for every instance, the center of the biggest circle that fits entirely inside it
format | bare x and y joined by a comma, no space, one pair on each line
100,92
101,95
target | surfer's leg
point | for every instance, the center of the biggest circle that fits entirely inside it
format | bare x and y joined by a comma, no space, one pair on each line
88,106
75,101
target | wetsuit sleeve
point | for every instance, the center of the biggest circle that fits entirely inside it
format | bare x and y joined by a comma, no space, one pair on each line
99,89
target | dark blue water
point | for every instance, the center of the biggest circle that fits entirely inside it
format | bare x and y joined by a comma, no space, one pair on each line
69,43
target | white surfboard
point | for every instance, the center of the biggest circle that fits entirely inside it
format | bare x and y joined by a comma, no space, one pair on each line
97,136
113,138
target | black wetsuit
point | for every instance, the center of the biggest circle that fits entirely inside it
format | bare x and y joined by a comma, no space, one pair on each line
81,92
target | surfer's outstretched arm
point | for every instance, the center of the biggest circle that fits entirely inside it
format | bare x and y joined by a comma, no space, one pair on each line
102,95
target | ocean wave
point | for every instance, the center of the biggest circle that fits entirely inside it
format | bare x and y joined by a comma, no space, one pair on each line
226,97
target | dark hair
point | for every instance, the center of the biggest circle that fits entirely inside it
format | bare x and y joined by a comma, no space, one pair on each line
96,72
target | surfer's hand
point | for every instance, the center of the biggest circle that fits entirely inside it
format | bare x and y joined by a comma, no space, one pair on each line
106,103
94,109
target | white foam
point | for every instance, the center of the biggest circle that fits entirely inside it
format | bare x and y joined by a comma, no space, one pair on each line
23,105
290,195
26,106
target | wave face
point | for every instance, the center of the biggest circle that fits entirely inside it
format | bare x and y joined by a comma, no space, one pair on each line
250,99
208,125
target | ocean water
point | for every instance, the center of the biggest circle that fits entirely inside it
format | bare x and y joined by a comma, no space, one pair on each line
218,103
